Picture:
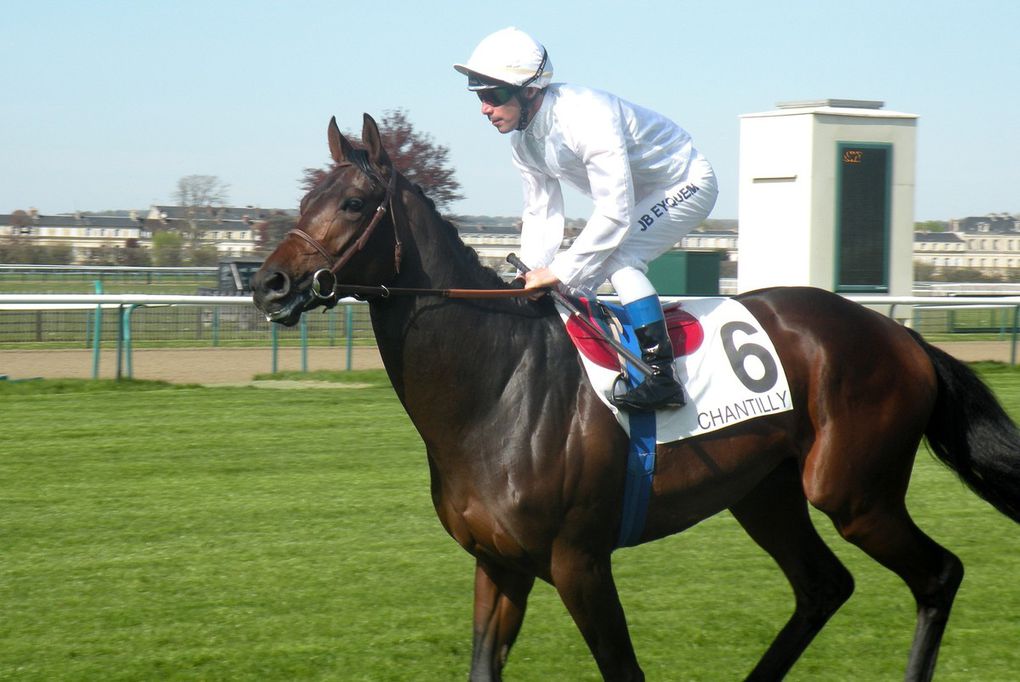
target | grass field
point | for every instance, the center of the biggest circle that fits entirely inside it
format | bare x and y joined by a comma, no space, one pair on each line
151,531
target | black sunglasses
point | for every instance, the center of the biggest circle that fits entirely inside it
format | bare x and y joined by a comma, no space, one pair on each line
496,97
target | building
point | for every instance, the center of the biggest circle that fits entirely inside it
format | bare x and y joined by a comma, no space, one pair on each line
993,223
990,244
232,231
84,233
939,249
495,237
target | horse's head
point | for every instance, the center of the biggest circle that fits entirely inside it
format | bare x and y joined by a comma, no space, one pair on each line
336,238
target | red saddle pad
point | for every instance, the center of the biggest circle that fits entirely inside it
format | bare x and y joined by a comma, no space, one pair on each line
685,332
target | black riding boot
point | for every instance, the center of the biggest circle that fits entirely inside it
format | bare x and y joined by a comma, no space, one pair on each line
661,389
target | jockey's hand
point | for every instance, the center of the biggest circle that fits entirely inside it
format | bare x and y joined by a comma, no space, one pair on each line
540,279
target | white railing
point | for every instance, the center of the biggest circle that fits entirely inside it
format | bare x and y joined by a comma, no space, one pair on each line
128,302
25,301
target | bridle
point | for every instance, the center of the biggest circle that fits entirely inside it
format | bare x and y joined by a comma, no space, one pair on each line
324,283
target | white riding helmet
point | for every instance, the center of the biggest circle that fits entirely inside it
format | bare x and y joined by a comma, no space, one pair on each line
508,57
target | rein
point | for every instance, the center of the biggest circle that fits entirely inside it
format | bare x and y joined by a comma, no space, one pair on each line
363,291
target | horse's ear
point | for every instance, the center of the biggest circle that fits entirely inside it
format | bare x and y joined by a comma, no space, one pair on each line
339,147
370,136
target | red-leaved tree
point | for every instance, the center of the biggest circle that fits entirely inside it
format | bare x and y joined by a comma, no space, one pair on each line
414,154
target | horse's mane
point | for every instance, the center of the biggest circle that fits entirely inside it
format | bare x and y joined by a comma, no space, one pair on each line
465,255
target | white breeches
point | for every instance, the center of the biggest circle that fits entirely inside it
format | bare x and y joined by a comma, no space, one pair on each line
661,220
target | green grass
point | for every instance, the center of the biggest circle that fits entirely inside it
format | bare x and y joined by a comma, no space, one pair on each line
151,531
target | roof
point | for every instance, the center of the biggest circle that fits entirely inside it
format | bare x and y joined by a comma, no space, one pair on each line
861,108
161,212
72,220
947,237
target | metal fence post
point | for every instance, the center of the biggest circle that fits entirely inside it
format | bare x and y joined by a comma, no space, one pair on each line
304,343
331,327
349,334
120,340
275,336
128,349
97,331
1012,345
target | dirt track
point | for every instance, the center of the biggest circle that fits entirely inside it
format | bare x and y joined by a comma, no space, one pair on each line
192,365
236,365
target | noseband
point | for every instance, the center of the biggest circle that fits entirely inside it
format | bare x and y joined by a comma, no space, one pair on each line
324,280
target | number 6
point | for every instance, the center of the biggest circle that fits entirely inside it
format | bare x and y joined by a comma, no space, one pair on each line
737,356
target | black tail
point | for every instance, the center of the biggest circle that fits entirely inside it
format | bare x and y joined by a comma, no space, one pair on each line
973,435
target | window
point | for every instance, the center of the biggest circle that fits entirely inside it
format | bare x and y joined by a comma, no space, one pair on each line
863,198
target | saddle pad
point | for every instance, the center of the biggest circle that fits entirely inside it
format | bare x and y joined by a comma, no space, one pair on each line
724,359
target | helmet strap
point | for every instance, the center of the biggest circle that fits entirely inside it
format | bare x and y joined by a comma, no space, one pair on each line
525,118
527,107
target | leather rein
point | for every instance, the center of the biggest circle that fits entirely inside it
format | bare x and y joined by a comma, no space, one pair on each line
324,282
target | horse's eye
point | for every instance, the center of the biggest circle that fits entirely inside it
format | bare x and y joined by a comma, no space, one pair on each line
353,204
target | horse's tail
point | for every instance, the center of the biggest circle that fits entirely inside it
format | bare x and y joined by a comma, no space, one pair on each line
971,433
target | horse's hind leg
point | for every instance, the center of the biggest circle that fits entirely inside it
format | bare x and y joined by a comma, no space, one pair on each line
775,515
501,597
933,573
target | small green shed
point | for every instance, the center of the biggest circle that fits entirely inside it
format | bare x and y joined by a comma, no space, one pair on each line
686,273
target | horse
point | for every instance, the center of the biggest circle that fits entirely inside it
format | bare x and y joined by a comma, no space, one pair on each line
528,467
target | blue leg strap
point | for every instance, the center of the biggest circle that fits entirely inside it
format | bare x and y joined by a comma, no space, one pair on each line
644,311
640,471
641,452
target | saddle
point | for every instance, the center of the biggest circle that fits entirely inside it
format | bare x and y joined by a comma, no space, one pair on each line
723,357
685,332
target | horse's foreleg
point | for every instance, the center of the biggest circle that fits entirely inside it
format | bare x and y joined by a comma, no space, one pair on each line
775,515
501,596
585,584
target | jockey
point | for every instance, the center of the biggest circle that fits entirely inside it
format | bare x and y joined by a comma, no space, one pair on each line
648,183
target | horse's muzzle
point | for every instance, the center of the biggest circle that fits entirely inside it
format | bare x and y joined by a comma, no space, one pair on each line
274,294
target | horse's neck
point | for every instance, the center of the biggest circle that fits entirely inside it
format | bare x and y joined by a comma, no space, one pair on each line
429,327
456,351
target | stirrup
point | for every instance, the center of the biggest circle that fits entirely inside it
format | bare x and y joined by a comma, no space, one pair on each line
656,392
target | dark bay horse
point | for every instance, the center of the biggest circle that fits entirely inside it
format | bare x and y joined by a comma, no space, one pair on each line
528,466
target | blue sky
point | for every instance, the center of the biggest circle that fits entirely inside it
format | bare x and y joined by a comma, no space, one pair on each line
107,104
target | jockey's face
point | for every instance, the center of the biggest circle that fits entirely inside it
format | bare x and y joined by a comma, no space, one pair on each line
506,117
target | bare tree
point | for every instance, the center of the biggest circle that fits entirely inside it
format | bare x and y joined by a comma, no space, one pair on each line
201,195
201,191
414,154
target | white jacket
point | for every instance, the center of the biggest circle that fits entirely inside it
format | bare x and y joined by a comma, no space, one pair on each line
612,151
